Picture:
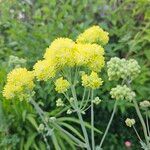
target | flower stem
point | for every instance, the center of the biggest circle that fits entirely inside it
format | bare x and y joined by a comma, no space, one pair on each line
80,118
142,121
137,133
147,123
86,101
83,98
92,121
109,123
41,114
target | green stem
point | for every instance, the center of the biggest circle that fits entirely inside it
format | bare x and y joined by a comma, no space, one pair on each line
41,114
92,121
109,123
87,100
83,98
80,118
137,133
142,121
147,123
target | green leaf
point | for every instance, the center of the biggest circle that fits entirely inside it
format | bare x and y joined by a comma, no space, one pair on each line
30,141
147,53
55,142
71,128
62,119
31,119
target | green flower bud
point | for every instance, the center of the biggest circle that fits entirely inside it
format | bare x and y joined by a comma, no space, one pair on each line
96,101
59,103
41,127
122,92
129,122
69,111
52,119
71,100
122,68
145,104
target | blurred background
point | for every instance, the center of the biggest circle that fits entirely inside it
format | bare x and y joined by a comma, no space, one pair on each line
27,27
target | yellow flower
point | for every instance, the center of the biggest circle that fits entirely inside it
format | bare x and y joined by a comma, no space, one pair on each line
44,69
19,82
61,85
91,81
89,55
94,34
61,52
129,122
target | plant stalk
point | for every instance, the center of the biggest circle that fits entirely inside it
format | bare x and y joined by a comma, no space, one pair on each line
142,121
92,121
147,122
109,123
80,118
41,114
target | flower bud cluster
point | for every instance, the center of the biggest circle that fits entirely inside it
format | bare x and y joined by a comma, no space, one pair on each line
16,62
145,104
122,68
69,111
97,100
41,127
122,92
129,122
59,103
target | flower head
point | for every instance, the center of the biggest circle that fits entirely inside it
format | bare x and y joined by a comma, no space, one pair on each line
19,83
128,144
122,92
69,111
89,55
91,81
94,34
59,102
61,85
44,69
61,52
129,122
97,100
145,104
122,68
41,127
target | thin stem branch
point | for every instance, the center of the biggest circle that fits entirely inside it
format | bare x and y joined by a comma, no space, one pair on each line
147,123
142,121
92,121
83,98
109,123
87,100
41,114
137,133
80,118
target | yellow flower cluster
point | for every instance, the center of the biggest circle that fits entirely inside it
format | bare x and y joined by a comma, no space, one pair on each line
94,34
61,85
91,81
19,81
44,70
90,55
63,52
